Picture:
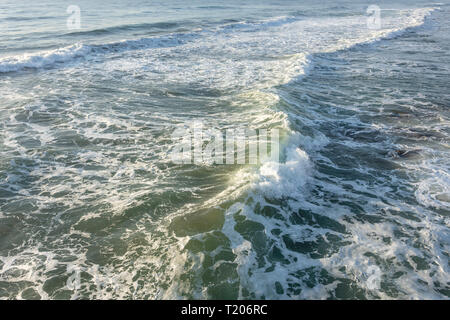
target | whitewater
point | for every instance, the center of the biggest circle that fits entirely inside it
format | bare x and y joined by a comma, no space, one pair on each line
91,205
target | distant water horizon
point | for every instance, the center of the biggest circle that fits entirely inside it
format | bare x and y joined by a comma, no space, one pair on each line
355,205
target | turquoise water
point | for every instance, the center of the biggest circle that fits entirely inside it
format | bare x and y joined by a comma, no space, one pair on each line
91,205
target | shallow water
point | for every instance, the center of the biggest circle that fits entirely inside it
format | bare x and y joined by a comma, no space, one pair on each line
91,205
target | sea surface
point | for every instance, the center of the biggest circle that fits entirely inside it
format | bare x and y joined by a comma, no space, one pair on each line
92,206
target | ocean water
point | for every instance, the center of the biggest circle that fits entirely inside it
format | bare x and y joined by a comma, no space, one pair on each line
91,205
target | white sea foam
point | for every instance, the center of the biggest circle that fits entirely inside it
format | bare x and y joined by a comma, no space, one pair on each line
286,179
435,191
291,35
289,179
118,179
49,58
43,59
